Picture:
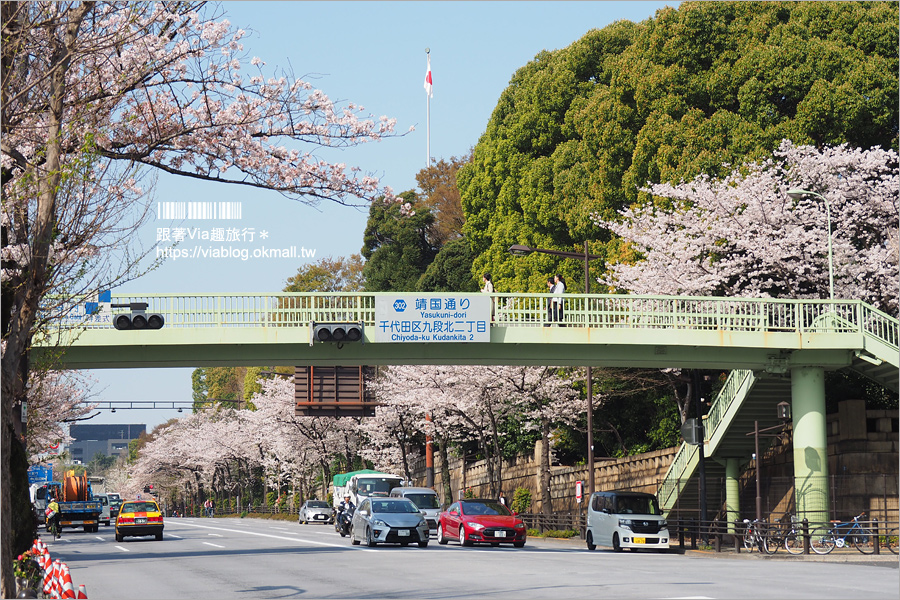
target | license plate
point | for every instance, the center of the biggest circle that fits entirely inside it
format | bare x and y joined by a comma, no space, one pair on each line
140,520
321,517
639,540
403,532
500,534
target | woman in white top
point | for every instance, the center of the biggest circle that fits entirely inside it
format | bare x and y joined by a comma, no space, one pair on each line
559,288
488,286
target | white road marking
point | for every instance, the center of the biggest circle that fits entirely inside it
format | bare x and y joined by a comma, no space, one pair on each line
174,536
123,549
276,537
213,545
99,538
215,534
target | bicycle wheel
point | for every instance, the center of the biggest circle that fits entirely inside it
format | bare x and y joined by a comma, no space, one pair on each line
863,540
821,540
749,540
769,541
793,542
890,541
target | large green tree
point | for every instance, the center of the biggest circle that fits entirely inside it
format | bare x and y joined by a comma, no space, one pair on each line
695,89
397,248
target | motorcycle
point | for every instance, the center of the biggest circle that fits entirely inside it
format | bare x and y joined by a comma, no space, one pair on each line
342,521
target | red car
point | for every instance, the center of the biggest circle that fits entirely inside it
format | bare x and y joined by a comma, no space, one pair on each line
480,521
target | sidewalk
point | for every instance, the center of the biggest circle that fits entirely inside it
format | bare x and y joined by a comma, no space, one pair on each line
848,555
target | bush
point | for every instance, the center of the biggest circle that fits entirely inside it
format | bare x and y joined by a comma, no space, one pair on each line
521,501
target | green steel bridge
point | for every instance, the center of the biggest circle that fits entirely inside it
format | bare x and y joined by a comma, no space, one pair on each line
776,350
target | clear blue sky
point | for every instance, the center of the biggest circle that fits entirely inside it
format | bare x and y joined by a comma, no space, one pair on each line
373,54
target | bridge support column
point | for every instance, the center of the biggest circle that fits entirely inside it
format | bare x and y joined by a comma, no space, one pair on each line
732,492
810,443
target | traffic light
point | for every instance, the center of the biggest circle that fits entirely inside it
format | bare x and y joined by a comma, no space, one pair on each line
338,332
138,318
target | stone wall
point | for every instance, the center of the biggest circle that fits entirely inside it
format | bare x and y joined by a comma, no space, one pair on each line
862,457
642,472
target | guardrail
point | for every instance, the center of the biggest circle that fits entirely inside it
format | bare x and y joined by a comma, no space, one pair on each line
529,310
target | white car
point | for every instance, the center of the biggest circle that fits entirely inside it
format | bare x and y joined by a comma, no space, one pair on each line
315,511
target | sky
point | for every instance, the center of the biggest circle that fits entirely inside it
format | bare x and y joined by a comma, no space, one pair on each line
372,54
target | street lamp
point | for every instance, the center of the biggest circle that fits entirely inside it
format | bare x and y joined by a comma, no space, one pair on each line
520,250
796,194
783,410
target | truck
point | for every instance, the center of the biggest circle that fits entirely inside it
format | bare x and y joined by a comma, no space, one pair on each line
77,505
363,484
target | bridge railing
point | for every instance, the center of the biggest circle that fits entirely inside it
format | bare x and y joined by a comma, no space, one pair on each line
528,310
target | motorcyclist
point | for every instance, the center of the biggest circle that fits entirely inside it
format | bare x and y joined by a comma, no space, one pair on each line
345,512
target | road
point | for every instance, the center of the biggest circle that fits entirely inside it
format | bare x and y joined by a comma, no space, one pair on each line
257,558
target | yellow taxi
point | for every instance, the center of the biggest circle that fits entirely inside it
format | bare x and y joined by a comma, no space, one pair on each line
139,518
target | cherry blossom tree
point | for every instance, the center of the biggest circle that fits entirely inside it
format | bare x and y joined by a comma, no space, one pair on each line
742,235
95,92
56,398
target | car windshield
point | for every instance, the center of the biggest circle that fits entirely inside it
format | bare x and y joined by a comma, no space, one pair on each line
424,500
484,508
636,505
393,506
367,486
317,504
135,507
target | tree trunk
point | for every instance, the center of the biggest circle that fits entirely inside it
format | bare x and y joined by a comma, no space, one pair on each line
445,470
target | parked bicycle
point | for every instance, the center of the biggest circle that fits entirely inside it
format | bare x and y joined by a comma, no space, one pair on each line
840,535
790,535
756,536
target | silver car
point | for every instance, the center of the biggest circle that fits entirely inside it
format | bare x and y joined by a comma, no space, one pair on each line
388,521
315,511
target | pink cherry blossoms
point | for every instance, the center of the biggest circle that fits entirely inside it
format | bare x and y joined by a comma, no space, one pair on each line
744,236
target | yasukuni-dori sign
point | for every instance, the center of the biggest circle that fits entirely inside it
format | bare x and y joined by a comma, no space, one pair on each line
439,318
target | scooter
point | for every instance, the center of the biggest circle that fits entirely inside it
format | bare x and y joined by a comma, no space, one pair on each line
342,521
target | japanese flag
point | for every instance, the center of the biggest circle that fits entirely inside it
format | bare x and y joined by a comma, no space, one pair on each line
428,79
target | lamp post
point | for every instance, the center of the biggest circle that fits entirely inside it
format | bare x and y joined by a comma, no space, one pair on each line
796,194
520,250
784,414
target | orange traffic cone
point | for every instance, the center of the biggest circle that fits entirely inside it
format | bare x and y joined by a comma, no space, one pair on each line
48,575
68,590
82,593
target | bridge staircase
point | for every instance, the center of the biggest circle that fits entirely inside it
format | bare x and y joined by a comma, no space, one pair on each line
751,396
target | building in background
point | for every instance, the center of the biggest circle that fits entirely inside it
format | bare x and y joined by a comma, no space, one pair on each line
110,440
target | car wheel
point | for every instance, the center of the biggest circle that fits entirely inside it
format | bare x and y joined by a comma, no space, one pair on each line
519,544
440,536
353,539
617,546
423,544
119,537
462,537
159,536
370,541
590,542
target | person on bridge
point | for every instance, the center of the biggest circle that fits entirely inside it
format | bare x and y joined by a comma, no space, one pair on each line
549,302
488,289
559,288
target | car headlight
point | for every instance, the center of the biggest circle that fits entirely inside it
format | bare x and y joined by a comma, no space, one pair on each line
475,526
625,523
520,525
422,523
379,523
663,525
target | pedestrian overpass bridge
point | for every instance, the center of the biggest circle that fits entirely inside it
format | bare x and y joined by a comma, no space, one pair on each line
775,349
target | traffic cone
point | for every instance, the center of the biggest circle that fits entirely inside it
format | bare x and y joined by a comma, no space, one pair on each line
82,593
54,584
68,590
48,575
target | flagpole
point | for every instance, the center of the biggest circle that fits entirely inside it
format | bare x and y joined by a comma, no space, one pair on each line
428,113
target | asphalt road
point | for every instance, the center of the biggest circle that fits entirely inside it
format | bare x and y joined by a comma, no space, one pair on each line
255,558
